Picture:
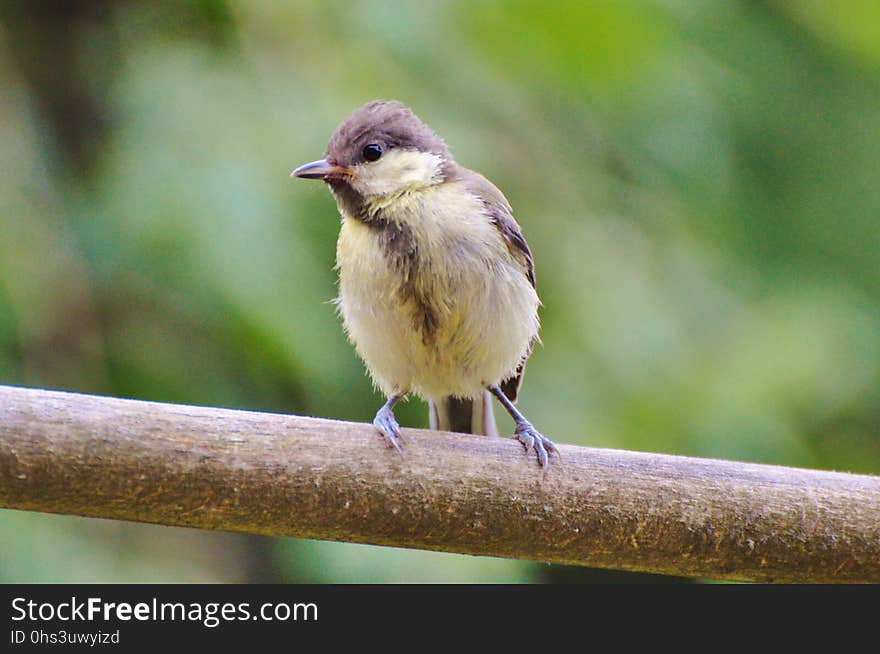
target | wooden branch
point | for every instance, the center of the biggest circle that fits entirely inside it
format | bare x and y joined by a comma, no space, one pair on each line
292,476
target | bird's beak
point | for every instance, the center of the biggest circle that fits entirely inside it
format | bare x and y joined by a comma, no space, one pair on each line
321,169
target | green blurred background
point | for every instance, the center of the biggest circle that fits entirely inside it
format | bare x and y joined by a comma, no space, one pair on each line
698,182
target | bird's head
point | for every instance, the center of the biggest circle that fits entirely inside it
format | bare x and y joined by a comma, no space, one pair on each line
381,149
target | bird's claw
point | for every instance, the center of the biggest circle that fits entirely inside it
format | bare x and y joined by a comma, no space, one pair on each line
531,438
388,427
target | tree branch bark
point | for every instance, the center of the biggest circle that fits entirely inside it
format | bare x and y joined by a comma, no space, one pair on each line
284,475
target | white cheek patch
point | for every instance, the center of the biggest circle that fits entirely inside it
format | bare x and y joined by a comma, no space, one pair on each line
397,171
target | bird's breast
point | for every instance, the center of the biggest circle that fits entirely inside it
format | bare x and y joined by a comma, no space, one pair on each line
431,290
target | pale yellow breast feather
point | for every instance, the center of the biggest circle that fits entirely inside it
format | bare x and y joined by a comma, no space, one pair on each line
486,309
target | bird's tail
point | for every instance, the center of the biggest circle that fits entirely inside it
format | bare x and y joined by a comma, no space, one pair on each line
467,416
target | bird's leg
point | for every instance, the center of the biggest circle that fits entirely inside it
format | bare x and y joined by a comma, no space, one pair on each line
524,432
387,424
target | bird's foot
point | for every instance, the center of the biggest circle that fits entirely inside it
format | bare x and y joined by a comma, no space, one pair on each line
531,438
388,427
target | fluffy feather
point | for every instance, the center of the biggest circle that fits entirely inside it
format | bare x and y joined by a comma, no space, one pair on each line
483,307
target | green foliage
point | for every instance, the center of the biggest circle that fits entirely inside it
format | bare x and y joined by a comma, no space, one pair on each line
698,183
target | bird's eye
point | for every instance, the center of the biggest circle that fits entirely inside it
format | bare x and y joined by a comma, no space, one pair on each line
372,151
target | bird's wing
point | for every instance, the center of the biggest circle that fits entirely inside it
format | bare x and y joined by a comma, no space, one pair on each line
501,214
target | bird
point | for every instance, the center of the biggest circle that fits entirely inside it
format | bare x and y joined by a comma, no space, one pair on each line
436,282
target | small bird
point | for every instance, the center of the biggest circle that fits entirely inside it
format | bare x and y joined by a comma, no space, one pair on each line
436,282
